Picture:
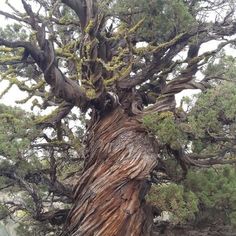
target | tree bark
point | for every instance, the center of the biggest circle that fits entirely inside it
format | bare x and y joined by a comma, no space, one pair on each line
109,197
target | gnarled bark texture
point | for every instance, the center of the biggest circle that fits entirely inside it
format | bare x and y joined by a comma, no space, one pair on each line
109,197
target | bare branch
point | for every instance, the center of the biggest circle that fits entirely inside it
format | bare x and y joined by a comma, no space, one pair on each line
52,119
85,9
206,161
13,17
36,54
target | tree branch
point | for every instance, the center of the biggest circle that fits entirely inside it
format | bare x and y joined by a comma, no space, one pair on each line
13,17
36,54
85,9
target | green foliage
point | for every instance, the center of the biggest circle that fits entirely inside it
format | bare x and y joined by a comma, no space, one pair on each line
213,115
182,204
16,130
210,118
14,32
203,192
224,66
215,189
160,17
25,166
164,127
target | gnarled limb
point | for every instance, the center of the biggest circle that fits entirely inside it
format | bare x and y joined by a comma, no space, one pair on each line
65,88
85,9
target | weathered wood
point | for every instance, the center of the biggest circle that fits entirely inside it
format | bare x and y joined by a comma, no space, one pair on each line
109,197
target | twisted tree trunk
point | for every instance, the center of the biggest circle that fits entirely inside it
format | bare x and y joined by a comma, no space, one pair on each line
109,197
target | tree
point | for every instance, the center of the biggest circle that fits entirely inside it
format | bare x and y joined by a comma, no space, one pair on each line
118,61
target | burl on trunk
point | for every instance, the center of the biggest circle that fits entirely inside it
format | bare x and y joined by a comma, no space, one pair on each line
109,197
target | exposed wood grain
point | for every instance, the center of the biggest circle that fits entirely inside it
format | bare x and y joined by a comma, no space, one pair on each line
109,198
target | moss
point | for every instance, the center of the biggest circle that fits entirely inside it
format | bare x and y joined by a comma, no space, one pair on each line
89,26
14,80
117,61
9,59
46,118
168,44
137,26
70,46
23,101
33,36
8,72
22,213
63,20
89,47
38,85
144,50
62,53
121,30
91,93
119,75
6,49
21,85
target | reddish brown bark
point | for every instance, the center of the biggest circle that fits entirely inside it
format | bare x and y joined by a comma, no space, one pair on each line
109,197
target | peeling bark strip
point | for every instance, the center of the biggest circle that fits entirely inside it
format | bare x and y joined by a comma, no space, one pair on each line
109,198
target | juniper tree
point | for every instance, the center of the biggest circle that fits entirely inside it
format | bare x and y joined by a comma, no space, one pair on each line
121,63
